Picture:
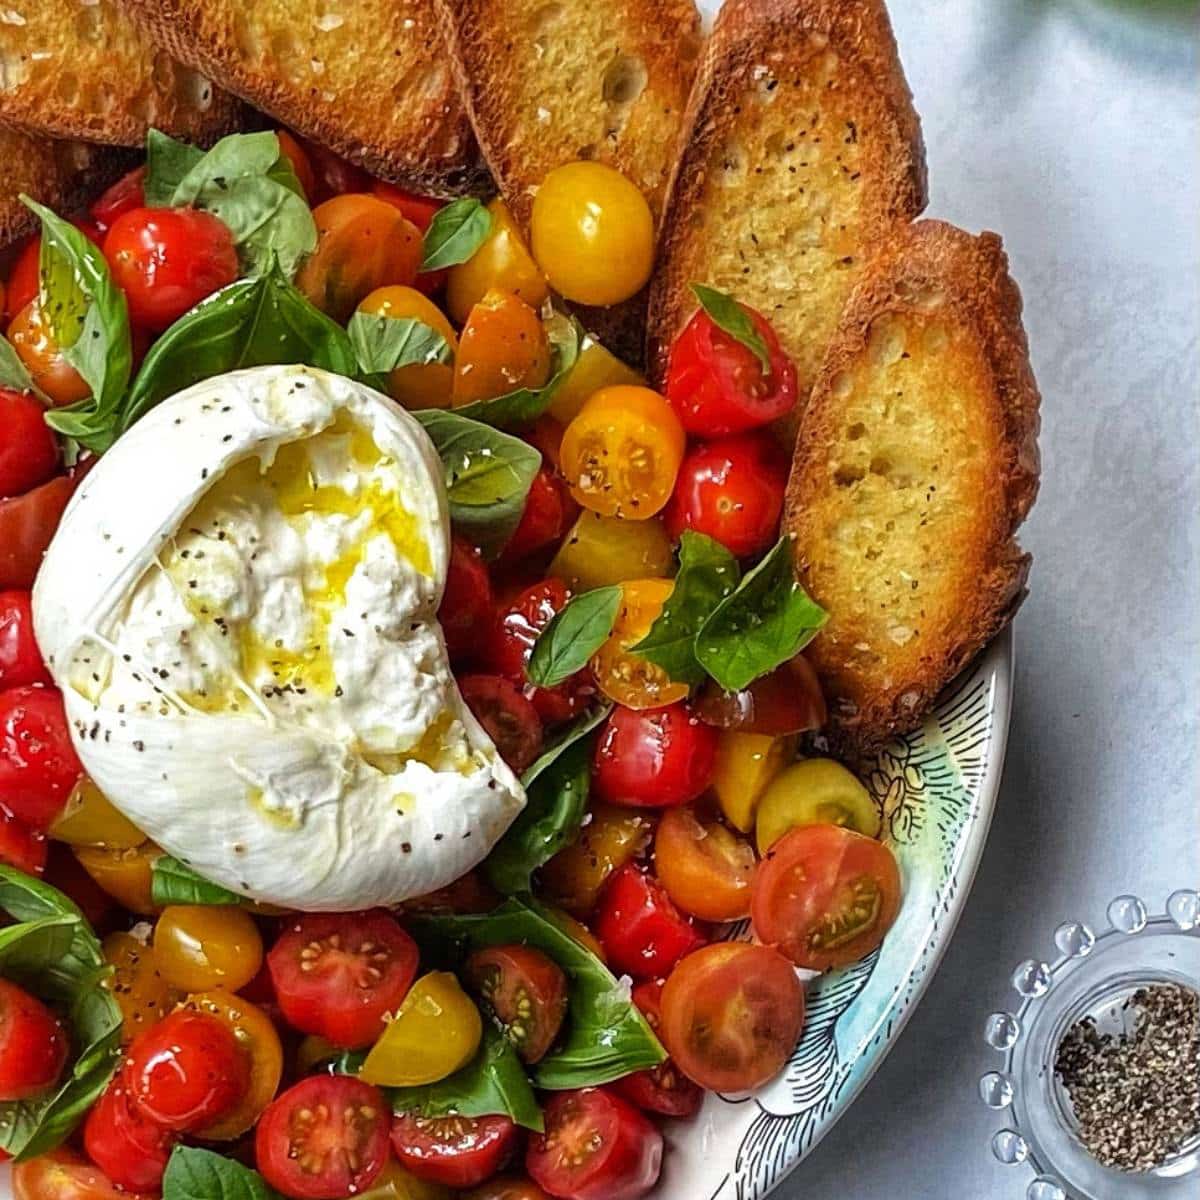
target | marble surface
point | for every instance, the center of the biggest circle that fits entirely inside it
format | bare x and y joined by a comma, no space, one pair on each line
1070,126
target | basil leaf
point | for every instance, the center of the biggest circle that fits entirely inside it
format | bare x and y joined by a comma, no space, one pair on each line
173,882
251,323
35,946
707,574
88,316
605,1037
563,741
382,343
488,475
731,318
168,160
194,1174
573,635
769,619
525,405
455,233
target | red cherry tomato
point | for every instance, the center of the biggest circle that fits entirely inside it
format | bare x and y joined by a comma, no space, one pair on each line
716,385
23,278
33,1044
457,1152
38,764
642,931
525,993
27,523
20,846
469,893
663,1089
510,720
290,148
28,449
550,510
125,1144
324,1139
123,196
653,757
596,1147
338,975
20,659
64,1175
825,895
732,490
789,700
65,872
187,1071
420,210
167,260
466,607
335,175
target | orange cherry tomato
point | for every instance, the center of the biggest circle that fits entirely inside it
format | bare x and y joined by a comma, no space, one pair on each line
622,453
614,836
363,243
705,867
64,1175
291,149
628,678
420,385
503,347
199,946
825,895
731,1015
124,873
142,994
507,1187
37,349
502,262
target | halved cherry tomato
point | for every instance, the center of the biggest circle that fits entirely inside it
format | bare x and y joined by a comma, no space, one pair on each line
746,764
718,386
655,758
663,1089
123,196
418,385
27,523
466,606
732,490
20,846
788,700
124,1143
524,992
142,994
24,278
502,347
502,262
509,719
28,451
548,513
38,349
202,946
339,975
642,931
596,1147
125,873
731,1015
64,1175
613,837
290,148
38,763
167,260
826,896
458,1152
595,368
815,791
324,1139
335,175
507,1187
20,659
628,678
705,867
601,550
622,453
91,819
469,893
33,1044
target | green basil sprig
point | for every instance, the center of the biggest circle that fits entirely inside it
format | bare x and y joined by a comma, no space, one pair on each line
731,318
194,1174
382,343
573,635
174,882
455,233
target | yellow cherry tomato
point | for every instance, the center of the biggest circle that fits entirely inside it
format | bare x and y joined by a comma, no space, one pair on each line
124,873
595,368
142,994
622,453
503,347
37,348
90,819
628,678
746,764
501,262
203,946
817,791
592,233
255,1034
395,1183
420,385
572,879
436,1032
601,550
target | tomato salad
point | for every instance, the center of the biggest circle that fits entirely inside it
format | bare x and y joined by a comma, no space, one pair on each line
625,625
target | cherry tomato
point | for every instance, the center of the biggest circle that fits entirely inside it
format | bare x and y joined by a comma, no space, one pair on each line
731,1015
38,349
27,523
124,1143
705,867
732,490
64,1175
418,385
142,994
323,1139
655,758
123,196
548,513
186,1071
38,764
508,718
394,1182
339,975
466,606
125,873
524,992
24,278
663,1089
28,450
503,346
826,896
65,872
816,791
613,837
457,1152
290,148
596,1147
601,550
507,1187
20,846
169,259
595,368
420,210
502,262
335,175
20,659
200,946
33,1044
718,386
788,700
746,764
90,819
628,678
622,453
592,233
469,893
642,931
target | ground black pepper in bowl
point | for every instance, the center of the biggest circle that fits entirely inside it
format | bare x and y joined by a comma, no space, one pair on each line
1136,1094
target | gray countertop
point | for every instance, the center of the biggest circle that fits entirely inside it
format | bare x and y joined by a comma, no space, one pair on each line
1071,127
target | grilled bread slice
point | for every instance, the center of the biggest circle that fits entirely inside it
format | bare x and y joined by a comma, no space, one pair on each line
368,78
77,70
916,461
803,150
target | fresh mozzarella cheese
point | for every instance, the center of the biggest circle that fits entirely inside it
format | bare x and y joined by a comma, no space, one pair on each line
240,608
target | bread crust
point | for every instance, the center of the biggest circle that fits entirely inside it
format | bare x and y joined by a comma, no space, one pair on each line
967,279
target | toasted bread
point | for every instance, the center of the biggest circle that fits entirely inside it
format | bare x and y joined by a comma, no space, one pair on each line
803,150
87,71
917,460
368,78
